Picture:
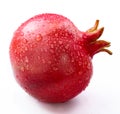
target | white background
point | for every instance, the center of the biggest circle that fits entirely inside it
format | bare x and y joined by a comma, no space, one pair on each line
102,96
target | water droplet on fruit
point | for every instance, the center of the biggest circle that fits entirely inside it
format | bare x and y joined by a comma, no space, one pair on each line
52,51
54,42
52,46
79,81
41,50
26,59
43,61
79,72
45,50
38,57
82,55
56,35
22,68
26,48
60,42
21,34
49,62
66,34
79,63
25,41
15,51
72,60
87,78
67,46
38,37
55,68
78,53
74,47
89,66
33,45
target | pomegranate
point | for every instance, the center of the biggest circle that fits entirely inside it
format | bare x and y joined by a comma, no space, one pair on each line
51,58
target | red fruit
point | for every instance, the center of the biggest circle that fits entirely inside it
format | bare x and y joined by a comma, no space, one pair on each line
51,58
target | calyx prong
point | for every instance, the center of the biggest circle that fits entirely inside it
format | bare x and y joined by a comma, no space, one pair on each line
94,28
99,46
94,45
106,50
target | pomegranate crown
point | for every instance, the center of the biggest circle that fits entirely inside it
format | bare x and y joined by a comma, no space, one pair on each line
92,43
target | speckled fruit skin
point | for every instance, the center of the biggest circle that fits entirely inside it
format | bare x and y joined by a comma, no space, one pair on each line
51,58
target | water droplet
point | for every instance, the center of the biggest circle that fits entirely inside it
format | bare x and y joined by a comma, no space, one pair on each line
20,55
78,53
43,61
82,55
79,81
52,46
33,45
56,35
77,57
38,37
72,60
25,41
63,50
55,68
22,68
54,42
74,47
67,46
21,34
26,49
41,50
66,34
26,59
38,57
49,62
79,72
52,51
45,50
27,67
89,66
79,63
60,42
87,78
15,51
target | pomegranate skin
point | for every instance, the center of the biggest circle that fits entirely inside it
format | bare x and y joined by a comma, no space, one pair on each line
51,58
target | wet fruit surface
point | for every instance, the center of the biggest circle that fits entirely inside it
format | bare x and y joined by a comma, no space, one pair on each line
51,58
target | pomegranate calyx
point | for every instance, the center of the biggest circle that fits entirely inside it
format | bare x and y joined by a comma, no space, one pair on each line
94,33
93,44
99,46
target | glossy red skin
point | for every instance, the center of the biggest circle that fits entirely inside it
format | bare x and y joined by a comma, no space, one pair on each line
49,58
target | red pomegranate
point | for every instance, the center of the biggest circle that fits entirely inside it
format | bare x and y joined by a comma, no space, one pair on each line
51,58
